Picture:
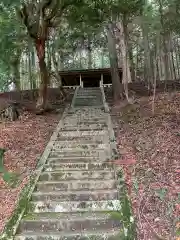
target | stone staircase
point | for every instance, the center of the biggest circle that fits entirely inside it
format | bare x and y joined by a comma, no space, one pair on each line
77,190
91,97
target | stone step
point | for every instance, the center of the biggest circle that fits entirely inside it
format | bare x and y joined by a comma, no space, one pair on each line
78,146
90,118
77,122
93,97
74,133
67,223
89,93
86,124
80,142
75,206
88,104
99,153
87,114
83,138
74,159
75,185
84,127
87,117
84,121
68,216
81,166
83,101
89,99
76,195
114,234
76,175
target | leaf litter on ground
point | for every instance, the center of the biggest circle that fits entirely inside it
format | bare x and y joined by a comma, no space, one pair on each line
24,141
149,146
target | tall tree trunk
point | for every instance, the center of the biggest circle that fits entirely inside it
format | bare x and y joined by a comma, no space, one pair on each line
30,64
147,58
129,51
116,84
131,59
89,53
177,57
15,69
164,43
44,75
125,60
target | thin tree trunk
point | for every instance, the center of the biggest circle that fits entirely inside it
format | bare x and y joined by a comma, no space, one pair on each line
30,65
89,53
177,58
164,44
125,60
15,69
129,52
15,65
147,63
116,85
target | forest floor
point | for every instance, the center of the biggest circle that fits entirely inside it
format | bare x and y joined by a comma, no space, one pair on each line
24,141
149,146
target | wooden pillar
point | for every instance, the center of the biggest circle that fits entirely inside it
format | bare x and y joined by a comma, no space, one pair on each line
101,82
81,82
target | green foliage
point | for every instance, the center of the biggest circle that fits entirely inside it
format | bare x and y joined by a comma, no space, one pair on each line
11,40
124,214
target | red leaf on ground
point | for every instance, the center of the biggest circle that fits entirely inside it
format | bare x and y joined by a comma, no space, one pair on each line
24,141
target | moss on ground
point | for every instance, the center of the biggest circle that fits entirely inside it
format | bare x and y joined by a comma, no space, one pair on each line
23,207
124,215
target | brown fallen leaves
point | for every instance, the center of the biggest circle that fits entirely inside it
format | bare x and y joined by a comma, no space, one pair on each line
150,145
24,141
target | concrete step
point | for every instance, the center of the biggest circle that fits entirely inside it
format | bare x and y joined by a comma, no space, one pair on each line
86,124
88,102
99,153
76,195
75,206
75,185
85,98
77,142
75,133
87,114
66,146
76,175
89,94
88,117
82,122
84,127
75,159
114,234
58,223
83,138
81,166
